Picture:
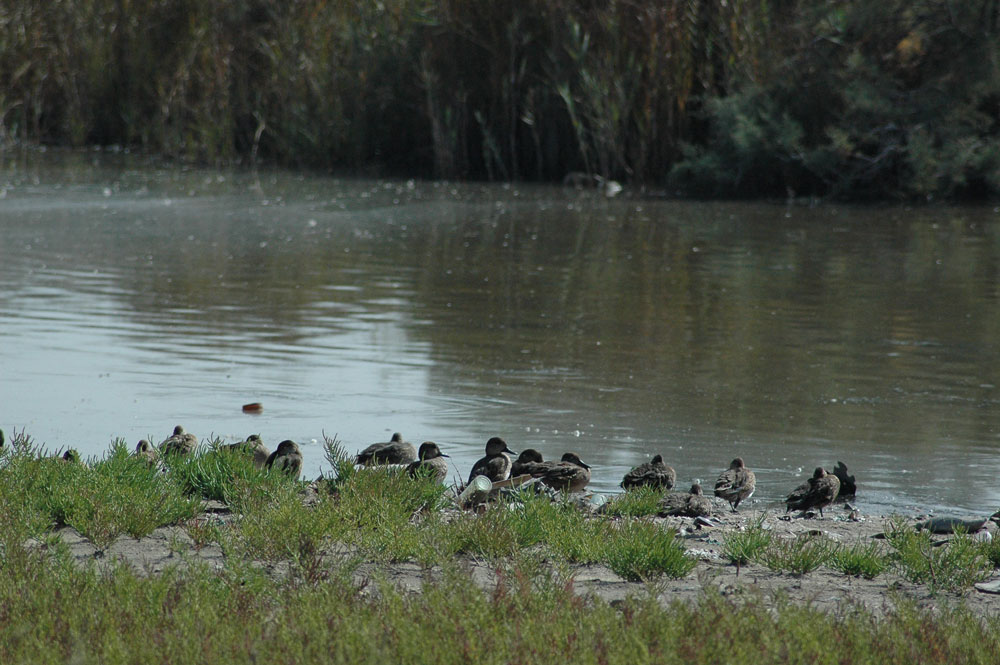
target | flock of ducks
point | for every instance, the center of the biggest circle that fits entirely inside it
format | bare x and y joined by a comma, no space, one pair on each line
287,458
570,473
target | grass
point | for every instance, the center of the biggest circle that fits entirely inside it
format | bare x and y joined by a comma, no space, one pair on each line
55,610
528,616
742,547
951,567
117,494
640,502
860,559
797,556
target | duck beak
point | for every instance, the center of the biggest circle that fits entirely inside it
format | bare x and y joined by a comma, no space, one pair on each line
585,466
443,455
509,451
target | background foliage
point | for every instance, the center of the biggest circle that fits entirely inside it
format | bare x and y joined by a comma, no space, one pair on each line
852,99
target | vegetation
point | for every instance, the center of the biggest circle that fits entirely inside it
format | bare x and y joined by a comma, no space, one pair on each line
198,615
319,613
957,565
848,99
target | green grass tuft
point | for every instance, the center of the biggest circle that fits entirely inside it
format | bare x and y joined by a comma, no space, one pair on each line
861,559
748,545
953,566
797,556
639,550
639,502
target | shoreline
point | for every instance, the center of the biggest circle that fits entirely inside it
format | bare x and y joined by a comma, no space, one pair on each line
824,588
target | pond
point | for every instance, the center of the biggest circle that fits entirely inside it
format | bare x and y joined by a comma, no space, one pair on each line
135,296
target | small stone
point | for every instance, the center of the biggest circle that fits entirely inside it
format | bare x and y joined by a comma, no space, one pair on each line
993,586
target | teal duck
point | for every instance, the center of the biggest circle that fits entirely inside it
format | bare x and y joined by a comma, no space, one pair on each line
529,462
252,445
496,464
653,473
569,474
818,492
394,451
431,462
145,450
71,456
688,504
179,443
736,483
848,488
286,458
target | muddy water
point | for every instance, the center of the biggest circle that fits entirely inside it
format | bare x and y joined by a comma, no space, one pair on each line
134,297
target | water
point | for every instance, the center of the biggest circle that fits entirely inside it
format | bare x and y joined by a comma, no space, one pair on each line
134,297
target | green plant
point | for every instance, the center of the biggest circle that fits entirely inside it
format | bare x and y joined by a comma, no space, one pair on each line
798,555
639,550
860,559
950,566
742,547
640,502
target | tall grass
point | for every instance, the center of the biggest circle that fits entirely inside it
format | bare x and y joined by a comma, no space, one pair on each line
451,88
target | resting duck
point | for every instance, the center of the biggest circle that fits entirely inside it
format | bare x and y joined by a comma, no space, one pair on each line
394,451
569,474
653,473
496,465
688,504
254,445
431,462
287,458
529,462
179,443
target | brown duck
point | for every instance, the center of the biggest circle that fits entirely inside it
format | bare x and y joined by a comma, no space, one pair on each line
818,492
529,462
393,451
431,462
848,487
653,473
287,458
254,445
496,464
179,443
569,474
146,451
736,483
688,504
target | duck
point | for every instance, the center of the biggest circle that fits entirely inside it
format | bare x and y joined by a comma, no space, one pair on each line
145,450
2,440
689,504
429,457
736,483
252,444
393,451
71,456
653,473
848,488
529,462
496,464
287,458
569,474
818,492
179,443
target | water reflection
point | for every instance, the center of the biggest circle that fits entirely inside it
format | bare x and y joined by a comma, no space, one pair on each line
134,297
